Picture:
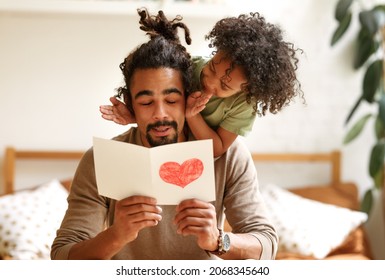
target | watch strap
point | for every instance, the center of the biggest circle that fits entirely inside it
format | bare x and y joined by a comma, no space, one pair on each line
220,249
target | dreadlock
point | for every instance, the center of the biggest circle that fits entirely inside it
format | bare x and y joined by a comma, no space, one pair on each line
163,50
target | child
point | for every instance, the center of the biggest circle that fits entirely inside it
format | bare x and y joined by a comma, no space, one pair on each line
252,71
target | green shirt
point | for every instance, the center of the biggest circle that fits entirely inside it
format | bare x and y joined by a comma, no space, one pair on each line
232,113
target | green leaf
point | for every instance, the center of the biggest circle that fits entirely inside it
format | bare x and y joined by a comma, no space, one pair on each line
376,161
366,46
369,21
342,8
379,8
353,110
379,128
372,80
356,129
381,108
367,202
379,178
363,34
341,29
379,13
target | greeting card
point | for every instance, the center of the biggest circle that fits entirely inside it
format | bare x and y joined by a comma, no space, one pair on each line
170,173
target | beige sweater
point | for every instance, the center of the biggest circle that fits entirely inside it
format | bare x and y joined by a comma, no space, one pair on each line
237,196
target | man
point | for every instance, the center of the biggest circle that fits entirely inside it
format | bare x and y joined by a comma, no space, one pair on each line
157,78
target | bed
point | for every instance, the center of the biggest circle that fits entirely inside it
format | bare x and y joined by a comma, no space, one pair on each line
29,217
315,221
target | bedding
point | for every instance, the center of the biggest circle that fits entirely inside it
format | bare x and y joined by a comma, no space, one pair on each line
29,220
26,228
308,227
344,238
30,217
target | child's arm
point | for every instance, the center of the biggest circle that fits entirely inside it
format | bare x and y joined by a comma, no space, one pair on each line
222,139
117,112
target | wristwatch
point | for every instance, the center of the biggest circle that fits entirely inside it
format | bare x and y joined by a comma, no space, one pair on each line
223,243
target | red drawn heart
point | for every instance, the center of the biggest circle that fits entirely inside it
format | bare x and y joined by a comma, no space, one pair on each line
181,175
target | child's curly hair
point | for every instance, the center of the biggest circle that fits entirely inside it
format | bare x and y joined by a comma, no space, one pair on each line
268,61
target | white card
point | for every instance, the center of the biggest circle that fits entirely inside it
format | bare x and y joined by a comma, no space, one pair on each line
170,173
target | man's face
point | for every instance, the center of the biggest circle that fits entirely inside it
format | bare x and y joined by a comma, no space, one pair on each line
158,101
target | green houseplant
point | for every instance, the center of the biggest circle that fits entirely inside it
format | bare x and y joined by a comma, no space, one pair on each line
369,55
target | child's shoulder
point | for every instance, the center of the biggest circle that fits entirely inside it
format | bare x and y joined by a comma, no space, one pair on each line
198,59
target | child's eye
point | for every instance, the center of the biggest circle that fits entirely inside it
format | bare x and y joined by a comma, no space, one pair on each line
171,101
224,86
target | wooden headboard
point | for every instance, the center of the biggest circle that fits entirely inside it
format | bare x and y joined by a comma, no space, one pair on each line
12,155
333,159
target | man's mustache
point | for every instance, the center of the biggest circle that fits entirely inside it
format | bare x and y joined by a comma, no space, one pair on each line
162,123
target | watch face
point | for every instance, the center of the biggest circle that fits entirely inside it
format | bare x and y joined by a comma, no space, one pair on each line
226,242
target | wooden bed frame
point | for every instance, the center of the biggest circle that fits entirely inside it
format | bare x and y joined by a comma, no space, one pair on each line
332,158
12,155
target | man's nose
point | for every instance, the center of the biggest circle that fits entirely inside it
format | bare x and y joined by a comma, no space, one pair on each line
160,112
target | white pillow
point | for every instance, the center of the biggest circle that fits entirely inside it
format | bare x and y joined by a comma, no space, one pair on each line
29,220
306,226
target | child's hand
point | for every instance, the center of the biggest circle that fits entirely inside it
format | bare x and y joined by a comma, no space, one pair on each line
117,112
196,102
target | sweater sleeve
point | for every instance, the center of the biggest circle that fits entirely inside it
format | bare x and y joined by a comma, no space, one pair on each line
245,209
86,213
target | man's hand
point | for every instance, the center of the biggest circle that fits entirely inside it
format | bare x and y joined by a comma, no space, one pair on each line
196,102
117,112
132,214
198,218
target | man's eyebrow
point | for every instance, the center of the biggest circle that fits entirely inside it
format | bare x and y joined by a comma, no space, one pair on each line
172,90
165,92
144,93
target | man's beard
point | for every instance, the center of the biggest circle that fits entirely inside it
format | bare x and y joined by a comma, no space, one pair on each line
162,140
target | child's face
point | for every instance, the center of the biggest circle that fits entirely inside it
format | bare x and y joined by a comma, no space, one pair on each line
214,79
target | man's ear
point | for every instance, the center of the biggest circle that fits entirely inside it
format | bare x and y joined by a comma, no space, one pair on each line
128,101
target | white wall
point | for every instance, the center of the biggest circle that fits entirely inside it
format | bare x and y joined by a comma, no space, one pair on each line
57,68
